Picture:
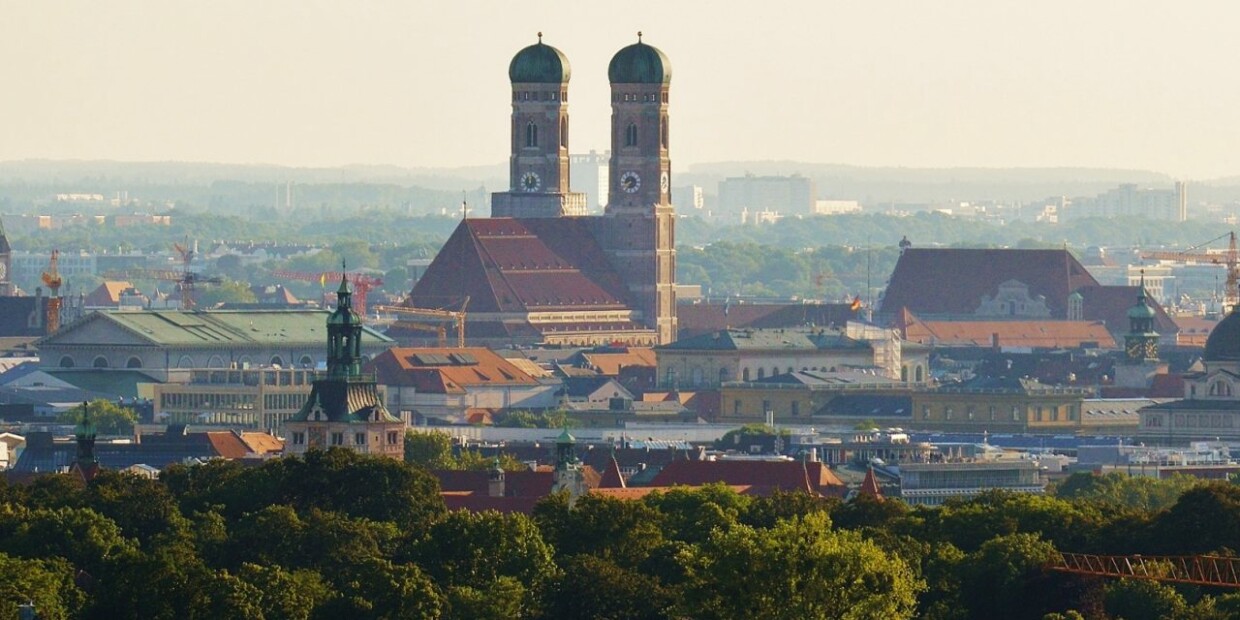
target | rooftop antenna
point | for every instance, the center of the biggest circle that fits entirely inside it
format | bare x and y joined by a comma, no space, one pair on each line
540,37
639,36
464,203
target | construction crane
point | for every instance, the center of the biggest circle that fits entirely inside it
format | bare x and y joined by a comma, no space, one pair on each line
1195,254
1203,570
186,281
51,278
362,284
457,317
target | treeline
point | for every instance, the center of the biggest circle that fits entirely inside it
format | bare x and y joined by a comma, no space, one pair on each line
822,257
339,535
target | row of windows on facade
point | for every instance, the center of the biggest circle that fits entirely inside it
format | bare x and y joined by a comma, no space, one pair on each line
526,95
215,400
186,361
794,407
630,134
646,98
337,439
696,376
1040,414
1206,420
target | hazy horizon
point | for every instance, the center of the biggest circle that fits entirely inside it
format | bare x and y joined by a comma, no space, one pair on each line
1114,85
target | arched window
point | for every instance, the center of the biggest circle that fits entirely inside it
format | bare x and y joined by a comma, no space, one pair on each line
133,362
696,376
100,362
185,362
276,360
564,132
745,374
723,375
919,374
66,362
761,374
215,362
630,135
663,133
306,361
531,134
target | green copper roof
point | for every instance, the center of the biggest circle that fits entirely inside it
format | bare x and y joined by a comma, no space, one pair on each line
565,438
215,327
639,64
539,64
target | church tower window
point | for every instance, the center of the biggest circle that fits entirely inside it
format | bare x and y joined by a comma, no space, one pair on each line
531,134
630,135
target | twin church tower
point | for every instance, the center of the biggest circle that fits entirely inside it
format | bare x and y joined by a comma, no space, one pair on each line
640,169
553,273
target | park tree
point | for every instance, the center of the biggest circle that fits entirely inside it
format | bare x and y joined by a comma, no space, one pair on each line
475,549
800,568
1205,519
47,584
108,417
625,532
1007,577
143,508
1140,599
593,587
690,515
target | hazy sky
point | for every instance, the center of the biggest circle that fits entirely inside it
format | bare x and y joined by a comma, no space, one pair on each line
412,83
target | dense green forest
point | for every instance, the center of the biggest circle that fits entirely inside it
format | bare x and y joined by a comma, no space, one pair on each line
823,257
340,535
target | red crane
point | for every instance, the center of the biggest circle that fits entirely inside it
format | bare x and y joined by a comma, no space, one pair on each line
1205,570
1196,254
362,284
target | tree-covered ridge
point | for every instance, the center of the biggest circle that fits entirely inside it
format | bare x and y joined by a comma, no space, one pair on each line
341,535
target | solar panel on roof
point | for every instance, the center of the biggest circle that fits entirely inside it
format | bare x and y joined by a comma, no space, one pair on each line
464,359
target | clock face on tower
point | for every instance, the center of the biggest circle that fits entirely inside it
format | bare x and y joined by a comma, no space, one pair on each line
630,182
530,182
663,182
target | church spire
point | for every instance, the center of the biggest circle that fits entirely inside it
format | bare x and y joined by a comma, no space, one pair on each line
344,332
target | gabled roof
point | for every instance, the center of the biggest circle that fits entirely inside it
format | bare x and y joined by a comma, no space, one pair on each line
788,476
203,328
1034,334
521,265
612,479
701,318
107,294
870,487
446,371
953,281
766,340
585,387
610,362
1110,304
818,378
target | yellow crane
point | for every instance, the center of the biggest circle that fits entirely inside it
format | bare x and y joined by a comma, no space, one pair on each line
456,317
51,278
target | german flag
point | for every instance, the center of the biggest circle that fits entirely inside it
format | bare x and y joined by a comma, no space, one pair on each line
856,304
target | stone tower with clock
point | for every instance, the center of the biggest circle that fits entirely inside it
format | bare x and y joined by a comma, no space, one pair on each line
1140,346
538,168
638,227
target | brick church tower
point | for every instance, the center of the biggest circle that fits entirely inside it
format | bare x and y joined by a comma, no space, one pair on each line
638,228
538,168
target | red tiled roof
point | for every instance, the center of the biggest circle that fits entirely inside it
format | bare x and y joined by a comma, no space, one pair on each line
610,363
704,318
1051,334
409,367
521,265
107,294
953,281
612,479
228,444
762,476
1194,330
1167,386
869,486
516,483
1110,304
262,443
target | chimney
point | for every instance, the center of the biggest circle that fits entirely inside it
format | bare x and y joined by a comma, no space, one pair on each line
994,341
495,480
